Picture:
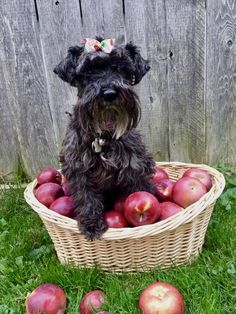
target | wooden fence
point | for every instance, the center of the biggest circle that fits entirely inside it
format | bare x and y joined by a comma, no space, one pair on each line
188,97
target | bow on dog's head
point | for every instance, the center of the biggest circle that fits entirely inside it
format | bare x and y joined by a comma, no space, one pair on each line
93,45
124,58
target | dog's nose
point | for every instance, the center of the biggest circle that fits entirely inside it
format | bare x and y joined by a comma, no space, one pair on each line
109,94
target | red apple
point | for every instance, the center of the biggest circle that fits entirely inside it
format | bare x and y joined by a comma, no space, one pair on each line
141,208
92,301
63,205
48,192
115,219
201,175
159,175
169,209
187,191
119,203
164,189
65,187
49,175
47,298
161,298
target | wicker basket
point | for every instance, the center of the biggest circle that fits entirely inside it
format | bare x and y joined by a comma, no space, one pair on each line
174,241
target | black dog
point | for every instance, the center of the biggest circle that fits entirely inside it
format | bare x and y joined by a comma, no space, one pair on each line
102,155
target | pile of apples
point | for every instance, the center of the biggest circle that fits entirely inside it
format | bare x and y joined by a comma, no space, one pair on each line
158,297
137,209
52,191
142,208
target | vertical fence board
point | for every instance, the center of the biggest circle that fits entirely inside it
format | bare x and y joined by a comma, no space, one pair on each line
60,28
30,104
221,82
8,134
104,18
146,27
186,40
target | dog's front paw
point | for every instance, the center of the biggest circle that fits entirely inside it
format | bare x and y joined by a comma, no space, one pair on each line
92,229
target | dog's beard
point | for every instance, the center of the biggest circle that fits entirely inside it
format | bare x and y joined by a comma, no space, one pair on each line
116,117
112,118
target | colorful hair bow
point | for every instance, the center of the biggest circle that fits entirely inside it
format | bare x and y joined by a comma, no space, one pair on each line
92,45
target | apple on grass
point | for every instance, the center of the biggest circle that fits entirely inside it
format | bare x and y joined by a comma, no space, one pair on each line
201,175
161,298
46,298
141,208
164,189
115,219
169,209
91,301
188,190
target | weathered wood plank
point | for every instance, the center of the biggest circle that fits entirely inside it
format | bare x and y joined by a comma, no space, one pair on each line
146,26
104,18
60,27
8,135
186,66
30,103
8,143
221,82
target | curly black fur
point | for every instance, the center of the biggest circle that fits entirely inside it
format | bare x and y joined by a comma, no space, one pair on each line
123,165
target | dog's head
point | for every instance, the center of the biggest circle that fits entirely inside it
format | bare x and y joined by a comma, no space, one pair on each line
104,81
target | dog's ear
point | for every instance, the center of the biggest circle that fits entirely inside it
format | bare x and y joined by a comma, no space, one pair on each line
140,64
66,69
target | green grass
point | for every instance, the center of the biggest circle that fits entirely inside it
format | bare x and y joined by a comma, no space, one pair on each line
28,259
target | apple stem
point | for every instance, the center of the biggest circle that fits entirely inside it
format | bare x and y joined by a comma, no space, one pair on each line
141,218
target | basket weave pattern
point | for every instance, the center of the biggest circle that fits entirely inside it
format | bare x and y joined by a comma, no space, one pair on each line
174,241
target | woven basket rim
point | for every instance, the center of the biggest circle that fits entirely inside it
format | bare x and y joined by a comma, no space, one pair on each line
185,216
